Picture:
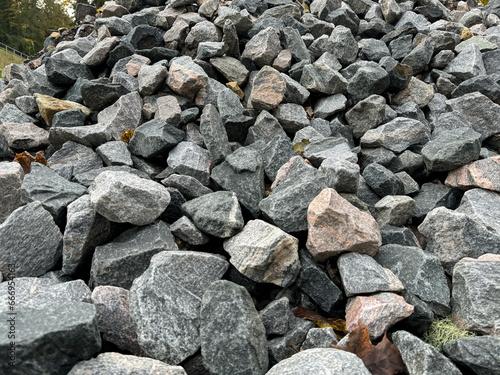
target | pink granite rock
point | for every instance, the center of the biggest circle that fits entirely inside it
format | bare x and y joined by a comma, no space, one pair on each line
186,78
336,226
113,317
483,173
379,312
135,64
268,89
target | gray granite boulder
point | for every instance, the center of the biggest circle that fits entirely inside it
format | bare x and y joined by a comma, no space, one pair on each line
115,153
50,189
51,340
40,293
316,283
422,358
192,270
122,364
420,272
467,64
319,338
276,317
361,274
397,135
452,149
233,338
264,253
479,354
119,262
382,180
243,173
166,316
126,198
453,235
185,229
214,134
393,210
366,114
475,290
11,179
190,159
218,214
31,240
155,138
113,317
85,229
78,157
432,196
320,361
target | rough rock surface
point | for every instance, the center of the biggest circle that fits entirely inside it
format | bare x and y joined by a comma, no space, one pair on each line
336,226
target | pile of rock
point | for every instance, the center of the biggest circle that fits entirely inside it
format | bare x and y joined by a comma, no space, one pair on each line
213,165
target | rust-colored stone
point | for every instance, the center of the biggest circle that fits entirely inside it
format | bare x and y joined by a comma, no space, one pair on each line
483,173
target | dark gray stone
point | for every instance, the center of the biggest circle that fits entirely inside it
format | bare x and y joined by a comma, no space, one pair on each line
419,57
266,128
10,113
319,338
475,290
366,115
97,95
361,274
217,214
232,69
188,186
63,72
292,117
402,46
477,354
341,175
276,317
243,174
239,345
322,79
382,180
263,48
116,26
151,78
295,92
477,110
398,236
399,74
287,204
422,358
214,134
85,229
368,80
467,64
155,138
296,45
486,85
432,196
420,272
185,229
329,105
166,316
276,153
316,283
379,155
53,191
78,157
52,340
115,153
233,116
373,49
452,149
69,118
190,159
344,17
119,262
335,148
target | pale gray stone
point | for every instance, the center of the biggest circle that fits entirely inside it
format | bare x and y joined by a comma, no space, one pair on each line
11,179
264,253
126,198
190,159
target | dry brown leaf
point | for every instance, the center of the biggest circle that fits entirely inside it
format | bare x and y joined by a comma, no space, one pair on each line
381,359
338,325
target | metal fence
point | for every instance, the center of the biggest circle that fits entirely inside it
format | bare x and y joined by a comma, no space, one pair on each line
5,47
